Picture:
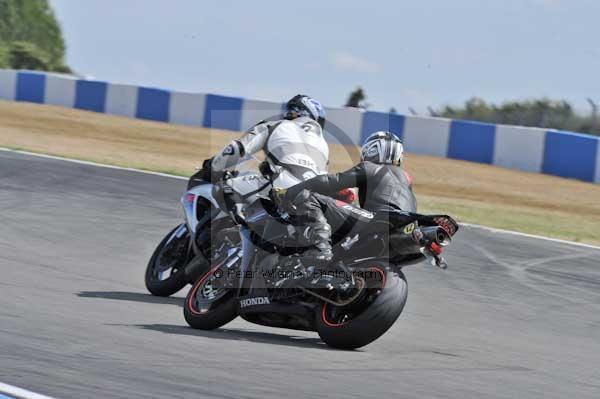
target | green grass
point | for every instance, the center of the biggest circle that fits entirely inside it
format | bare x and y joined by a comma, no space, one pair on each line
539,222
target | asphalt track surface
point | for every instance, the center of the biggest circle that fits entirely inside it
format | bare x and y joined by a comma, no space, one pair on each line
513,317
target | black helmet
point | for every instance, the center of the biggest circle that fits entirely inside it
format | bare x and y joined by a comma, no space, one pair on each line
301,105
384,148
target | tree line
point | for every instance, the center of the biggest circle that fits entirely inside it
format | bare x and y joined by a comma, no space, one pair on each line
544,113
30,36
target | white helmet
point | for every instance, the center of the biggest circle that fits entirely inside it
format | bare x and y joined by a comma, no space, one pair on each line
383,147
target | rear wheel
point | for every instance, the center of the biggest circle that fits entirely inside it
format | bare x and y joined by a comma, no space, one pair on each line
164,273
370,316
209,303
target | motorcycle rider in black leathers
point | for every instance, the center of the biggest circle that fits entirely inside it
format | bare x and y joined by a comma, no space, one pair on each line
382,186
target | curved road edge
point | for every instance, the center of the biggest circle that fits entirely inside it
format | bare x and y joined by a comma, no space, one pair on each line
19,393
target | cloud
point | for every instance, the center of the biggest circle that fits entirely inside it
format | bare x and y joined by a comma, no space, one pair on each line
349,62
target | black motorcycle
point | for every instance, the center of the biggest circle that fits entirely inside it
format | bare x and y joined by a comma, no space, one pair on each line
248,281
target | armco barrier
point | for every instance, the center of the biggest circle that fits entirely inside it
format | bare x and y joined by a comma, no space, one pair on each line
530,149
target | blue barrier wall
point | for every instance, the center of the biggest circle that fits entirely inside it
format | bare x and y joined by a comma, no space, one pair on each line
537,150
90,95
153,104
570,155
223,112
30,87
472,141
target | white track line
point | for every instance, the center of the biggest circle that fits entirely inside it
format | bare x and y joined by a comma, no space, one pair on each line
477,226
100,165
516,233
20,393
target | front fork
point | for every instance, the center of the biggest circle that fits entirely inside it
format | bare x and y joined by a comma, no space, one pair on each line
248,255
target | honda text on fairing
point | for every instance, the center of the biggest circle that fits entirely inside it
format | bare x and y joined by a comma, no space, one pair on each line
256,280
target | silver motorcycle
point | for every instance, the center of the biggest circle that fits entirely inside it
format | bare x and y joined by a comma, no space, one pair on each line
207,233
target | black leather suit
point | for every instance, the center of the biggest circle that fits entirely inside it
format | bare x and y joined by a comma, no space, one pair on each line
380,188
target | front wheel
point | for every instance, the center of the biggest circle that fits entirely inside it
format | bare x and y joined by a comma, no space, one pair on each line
165,271
209,304
369,317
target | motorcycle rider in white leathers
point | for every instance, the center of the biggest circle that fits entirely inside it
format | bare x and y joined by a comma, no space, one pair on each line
295,149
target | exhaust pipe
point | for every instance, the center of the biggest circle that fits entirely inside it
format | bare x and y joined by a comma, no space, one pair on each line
436,234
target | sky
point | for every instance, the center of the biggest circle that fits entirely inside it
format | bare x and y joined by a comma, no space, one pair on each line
404,53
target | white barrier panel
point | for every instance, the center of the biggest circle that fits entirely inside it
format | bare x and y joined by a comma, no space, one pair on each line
121,100
8,84
60,90
343,124
254,111
187,108
518,147
428,136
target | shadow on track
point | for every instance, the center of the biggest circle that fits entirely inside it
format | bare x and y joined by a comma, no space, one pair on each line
130,296
240,335
220,333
